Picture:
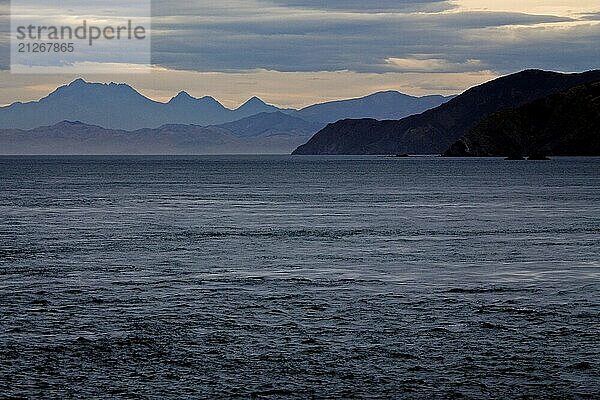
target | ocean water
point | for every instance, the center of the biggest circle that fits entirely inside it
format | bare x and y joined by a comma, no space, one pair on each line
299,277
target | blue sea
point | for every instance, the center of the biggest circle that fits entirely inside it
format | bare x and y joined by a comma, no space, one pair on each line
299,277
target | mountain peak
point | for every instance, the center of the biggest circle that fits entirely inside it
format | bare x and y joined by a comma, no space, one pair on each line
82,84
254,101
184,99
392,94
70,123
255,105
78,82
182,96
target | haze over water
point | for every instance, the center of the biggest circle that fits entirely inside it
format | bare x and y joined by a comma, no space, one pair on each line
294,277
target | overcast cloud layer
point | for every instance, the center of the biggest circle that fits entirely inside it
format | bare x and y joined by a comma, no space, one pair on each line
371,37
364,36
316,35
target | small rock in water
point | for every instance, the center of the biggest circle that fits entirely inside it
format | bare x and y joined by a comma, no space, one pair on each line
537,157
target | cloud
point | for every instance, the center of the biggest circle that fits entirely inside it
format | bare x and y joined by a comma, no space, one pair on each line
323,41
249,7
371,5
567,48
590,16
428,65
378,36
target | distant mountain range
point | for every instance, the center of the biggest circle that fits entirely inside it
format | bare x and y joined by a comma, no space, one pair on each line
77,138
435,130
269,124
382,105
563,124
119,106
530,112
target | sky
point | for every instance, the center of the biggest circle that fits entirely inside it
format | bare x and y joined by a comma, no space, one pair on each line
293,53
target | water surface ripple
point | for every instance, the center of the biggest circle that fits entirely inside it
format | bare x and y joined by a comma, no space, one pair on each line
305,277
